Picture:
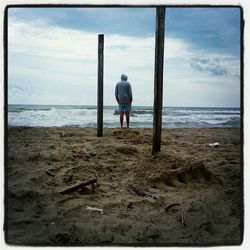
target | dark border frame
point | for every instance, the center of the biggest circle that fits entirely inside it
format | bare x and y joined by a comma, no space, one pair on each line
5,37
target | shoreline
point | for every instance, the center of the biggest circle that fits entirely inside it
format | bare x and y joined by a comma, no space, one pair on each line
203,180
68,127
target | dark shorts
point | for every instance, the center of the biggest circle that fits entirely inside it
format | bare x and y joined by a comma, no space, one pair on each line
124,108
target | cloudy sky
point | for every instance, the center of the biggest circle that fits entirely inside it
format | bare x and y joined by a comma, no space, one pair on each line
52,55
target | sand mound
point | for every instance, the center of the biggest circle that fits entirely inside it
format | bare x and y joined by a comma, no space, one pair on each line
190,172
127,150
125,133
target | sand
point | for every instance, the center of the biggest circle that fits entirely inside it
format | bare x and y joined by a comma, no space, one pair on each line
189,193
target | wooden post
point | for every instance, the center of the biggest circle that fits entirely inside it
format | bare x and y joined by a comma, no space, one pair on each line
100,86
158,78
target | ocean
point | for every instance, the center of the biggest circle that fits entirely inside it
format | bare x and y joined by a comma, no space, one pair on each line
141,117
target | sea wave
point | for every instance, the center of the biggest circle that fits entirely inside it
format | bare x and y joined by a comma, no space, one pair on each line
83,116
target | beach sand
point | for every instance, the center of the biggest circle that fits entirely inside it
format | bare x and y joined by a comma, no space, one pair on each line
189,193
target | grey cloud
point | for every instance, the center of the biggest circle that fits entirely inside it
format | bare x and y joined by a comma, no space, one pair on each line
202,61
211,66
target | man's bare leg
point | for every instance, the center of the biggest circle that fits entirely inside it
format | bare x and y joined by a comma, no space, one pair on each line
121,119
127,119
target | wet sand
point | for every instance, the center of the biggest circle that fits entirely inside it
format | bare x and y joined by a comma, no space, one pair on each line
189,193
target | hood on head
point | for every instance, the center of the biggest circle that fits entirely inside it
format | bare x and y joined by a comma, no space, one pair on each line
124,77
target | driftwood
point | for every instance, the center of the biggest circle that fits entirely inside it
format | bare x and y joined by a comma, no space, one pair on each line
78,186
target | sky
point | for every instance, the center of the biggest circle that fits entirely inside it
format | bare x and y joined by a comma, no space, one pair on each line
52,55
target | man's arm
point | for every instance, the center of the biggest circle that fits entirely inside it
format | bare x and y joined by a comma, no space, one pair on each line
116,94
130,93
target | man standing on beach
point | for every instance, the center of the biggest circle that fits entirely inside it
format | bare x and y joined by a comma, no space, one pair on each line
123,95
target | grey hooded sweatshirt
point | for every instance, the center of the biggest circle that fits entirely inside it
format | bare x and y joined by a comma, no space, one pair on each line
123,91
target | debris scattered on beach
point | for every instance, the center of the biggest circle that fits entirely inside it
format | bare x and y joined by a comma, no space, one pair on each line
129,204
182,219
95,209
62,134
141,192
82,153
215,144
49,173
171,205
96,175
138,192
197,187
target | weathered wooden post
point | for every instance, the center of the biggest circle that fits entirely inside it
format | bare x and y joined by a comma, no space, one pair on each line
158,78
100,86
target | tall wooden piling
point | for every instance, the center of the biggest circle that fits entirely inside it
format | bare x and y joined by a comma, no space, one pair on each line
158,78
100,86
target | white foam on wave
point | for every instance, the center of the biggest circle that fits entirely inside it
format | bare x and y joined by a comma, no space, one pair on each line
87,117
